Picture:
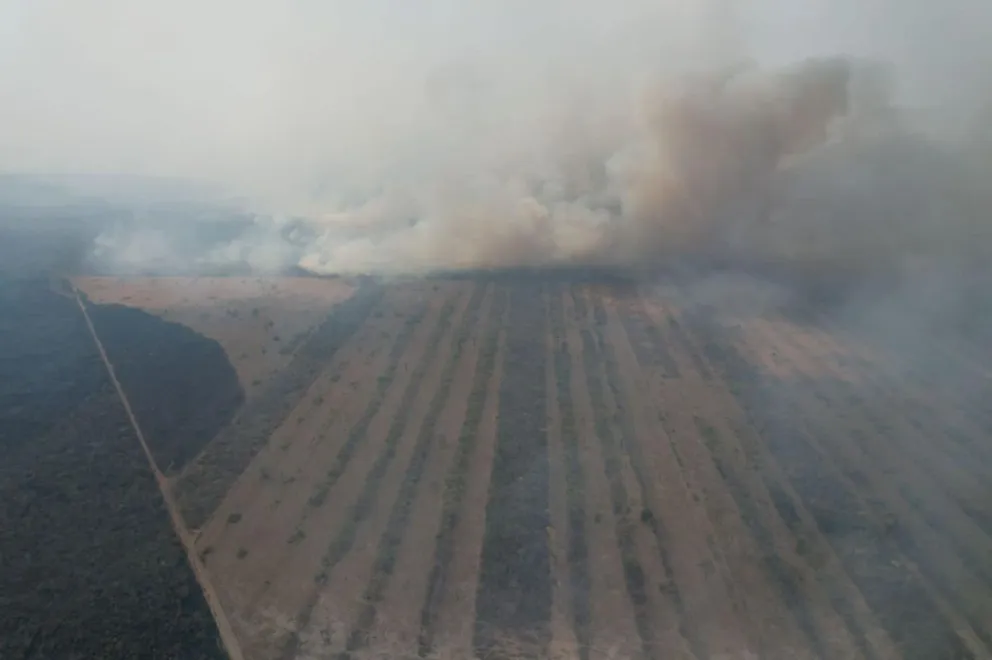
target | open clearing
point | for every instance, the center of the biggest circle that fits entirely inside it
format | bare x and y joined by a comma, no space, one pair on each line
505,467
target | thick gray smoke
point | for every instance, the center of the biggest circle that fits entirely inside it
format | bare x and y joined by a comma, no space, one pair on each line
696,159
464,135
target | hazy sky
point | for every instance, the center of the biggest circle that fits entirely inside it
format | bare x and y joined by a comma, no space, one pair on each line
274,95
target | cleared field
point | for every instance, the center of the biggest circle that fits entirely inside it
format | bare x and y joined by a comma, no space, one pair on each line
506,467
271,315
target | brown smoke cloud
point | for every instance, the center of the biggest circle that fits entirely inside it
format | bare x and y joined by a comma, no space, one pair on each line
693,173
718,143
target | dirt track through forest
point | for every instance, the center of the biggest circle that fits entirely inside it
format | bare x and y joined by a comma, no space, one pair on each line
230,640
510,468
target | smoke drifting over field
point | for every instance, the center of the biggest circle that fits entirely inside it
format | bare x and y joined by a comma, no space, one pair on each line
693,168
842,134
778,160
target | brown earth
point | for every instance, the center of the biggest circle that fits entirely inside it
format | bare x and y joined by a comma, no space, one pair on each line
505,467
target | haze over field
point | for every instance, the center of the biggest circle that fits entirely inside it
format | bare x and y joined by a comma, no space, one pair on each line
723,394
458,134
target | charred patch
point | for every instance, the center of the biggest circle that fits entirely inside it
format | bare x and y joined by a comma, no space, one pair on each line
578,551
399,517
514,590
870,557
344,541
455,482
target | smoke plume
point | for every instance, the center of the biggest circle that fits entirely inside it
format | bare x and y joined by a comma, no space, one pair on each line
383,137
